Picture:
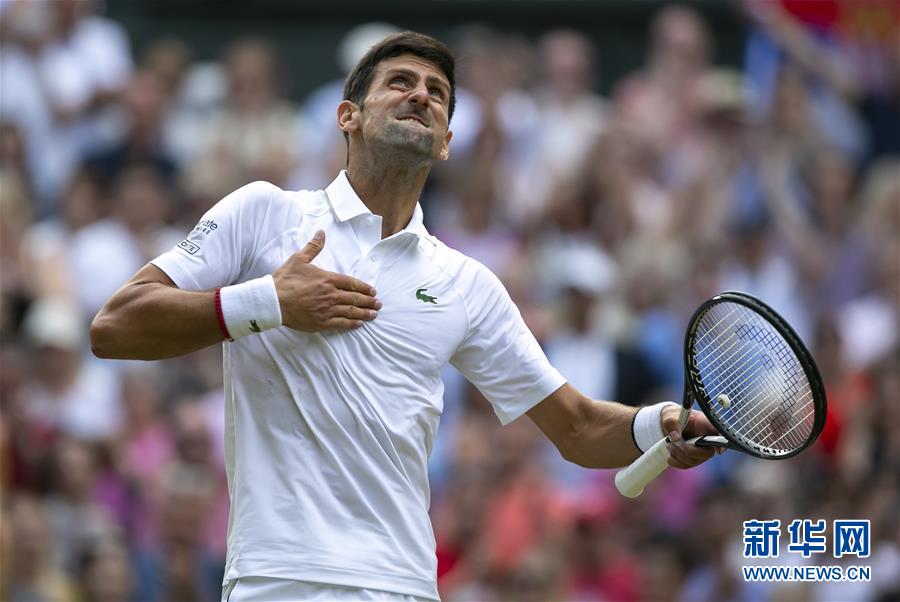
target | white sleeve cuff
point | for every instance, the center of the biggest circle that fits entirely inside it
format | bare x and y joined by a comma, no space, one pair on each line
250,307
647,425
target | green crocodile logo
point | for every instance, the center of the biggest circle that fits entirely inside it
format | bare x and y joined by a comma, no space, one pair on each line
421,296
254,326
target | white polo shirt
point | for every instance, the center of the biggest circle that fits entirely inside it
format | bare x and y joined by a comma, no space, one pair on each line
328,434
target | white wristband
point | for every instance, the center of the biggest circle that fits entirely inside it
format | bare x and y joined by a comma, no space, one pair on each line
647,425
250,307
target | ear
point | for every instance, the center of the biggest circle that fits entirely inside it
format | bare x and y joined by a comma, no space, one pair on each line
445,148
348,116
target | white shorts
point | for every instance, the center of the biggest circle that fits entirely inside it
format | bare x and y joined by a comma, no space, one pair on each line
267,589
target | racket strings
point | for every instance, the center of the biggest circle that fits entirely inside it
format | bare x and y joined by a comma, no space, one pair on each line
771,415
740,379
741,376
742,370
738,354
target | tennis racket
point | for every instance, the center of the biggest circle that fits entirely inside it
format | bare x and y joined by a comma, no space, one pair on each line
752,377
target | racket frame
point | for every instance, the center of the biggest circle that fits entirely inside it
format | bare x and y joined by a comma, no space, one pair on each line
695,391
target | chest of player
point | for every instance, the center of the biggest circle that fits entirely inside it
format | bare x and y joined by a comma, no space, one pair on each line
422,319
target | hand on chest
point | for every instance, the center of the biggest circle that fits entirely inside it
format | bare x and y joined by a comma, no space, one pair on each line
419,302
422,319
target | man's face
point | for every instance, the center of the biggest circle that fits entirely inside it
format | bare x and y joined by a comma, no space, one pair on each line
407,108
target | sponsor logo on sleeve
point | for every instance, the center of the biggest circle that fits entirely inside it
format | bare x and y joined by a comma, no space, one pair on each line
188,246
203,229
200,231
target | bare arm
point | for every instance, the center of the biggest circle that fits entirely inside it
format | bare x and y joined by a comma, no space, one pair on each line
597,434
150,318
593,434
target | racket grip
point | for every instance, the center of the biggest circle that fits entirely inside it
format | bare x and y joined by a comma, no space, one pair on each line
631,480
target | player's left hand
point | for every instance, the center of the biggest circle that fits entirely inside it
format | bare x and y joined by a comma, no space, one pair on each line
681,453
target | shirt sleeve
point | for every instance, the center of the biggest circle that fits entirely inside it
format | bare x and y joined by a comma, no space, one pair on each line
222,244
499,355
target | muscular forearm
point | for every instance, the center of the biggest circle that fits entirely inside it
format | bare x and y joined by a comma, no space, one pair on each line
598,434
605,439
148,320
593,434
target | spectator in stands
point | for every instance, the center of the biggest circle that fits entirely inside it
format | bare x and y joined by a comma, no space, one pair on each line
755,265
823,234
145,102
254,137
470,219
68,393
105,572
658,101
75,521
15,215
28,549
61,66
103,255
570,117
180,567
141,451
869,324
813,51
46,245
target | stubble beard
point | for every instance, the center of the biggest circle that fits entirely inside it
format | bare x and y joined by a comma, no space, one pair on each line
407,143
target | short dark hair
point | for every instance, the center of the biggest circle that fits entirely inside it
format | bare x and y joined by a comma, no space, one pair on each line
406,42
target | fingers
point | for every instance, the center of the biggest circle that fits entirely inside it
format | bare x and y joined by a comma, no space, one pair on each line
313,247
342,324
698,425
687,455
349,283
351,312
671,424
358,300
348,317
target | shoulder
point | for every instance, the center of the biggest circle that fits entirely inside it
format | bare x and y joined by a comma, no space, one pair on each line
255,194
266,199
469,275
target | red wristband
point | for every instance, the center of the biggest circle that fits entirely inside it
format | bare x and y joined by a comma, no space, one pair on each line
222,326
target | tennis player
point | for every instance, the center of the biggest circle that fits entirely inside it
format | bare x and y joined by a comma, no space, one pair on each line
338,311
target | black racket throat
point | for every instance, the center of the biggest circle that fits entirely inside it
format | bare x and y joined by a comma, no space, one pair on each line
715,441
687,402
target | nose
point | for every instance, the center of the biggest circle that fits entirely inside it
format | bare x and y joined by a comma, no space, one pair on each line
419,95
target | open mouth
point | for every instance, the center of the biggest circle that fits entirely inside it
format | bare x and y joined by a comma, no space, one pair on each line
415,118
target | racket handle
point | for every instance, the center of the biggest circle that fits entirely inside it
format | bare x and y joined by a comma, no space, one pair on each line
631,480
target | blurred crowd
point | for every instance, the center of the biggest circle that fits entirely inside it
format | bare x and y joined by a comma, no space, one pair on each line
609,219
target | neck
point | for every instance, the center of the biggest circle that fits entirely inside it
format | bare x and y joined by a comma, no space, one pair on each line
389,189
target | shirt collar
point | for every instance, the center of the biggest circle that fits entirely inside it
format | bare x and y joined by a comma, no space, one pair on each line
346,205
